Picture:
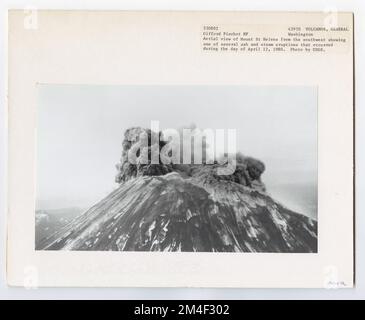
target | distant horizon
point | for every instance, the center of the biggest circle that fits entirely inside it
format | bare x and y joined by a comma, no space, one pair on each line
87,205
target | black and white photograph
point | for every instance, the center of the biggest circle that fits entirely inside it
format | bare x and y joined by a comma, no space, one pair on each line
167,153
174,168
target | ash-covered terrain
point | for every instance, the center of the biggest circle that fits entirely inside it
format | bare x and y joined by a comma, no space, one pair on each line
186,207
47,222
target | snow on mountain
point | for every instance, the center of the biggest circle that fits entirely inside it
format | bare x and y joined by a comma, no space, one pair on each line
187,208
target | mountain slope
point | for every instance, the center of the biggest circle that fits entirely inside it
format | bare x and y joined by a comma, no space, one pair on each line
178,212
215,206
47,222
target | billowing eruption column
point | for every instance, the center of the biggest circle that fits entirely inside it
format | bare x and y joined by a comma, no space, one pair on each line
247,171
185,208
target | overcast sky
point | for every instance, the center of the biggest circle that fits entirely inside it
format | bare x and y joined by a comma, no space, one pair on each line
80,131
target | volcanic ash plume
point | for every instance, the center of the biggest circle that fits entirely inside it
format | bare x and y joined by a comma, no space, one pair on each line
162,206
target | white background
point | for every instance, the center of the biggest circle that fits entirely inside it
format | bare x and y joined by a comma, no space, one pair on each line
105,293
